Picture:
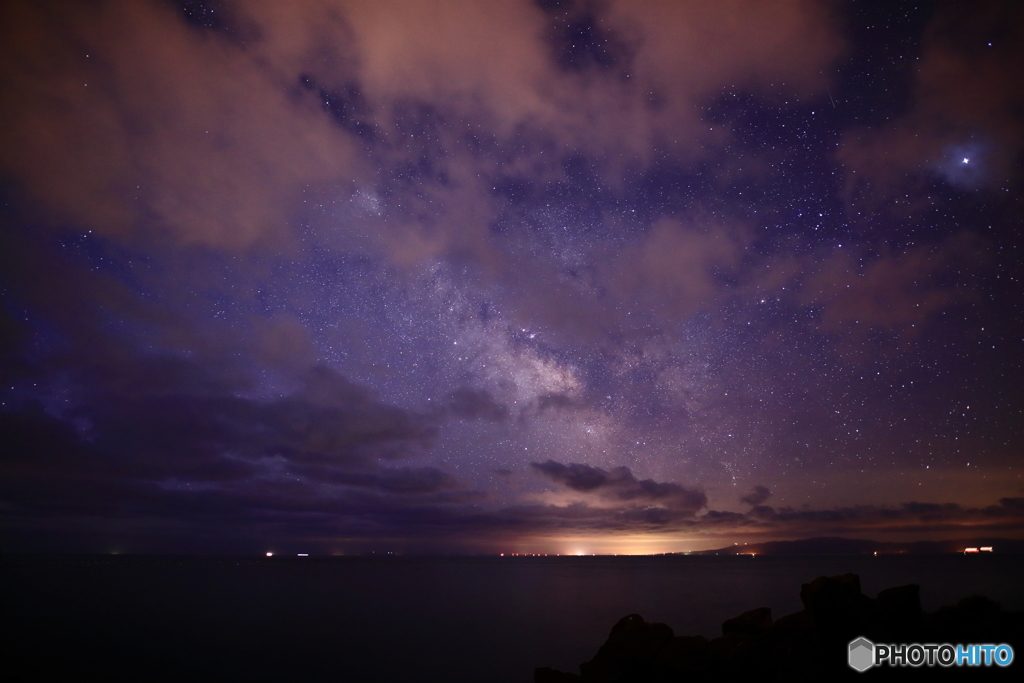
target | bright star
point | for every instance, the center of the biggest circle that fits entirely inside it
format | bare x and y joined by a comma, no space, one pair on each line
966,160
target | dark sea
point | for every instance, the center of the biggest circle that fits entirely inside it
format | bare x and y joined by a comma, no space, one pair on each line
400,619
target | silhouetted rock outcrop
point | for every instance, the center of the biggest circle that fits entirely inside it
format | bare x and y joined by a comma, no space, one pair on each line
749,623
807,645
629,653
546,674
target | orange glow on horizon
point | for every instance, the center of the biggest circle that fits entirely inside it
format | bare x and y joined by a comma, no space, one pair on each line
635,544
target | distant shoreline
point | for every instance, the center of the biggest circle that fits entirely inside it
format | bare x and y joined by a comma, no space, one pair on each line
852,546
811,547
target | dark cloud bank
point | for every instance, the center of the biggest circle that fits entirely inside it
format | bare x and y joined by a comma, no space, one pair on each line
462,276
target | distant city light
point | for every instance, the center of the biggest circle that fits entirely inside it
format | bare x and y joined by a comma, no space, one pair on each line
270,554
303,554
970,550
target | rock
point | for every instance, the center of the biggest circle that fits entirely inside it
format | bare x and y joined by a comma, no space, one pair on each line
749,623
793,624
684,653
629,651
897,615
830,593
901,603
974,619
836,605
809,645
976,607
546,674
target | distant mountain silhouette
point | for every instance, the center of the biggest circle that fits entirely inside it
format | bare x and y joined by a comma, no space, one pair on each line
855,546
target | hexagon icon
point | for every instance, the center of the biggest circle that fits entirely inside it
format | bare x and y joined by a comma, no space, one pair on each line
862,654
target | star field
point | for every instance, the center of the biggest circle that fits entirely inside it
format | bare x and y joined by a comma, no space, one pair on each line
507,276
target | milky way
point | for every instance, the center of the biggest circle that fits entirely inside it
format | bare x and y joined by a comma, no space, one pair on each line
508,276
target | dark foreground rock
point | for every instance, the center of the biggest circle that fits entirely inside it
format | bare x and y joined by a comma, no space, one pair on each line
808,645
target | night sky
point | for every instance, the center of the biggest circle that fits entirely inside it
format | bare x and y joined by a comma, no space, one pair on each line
340,276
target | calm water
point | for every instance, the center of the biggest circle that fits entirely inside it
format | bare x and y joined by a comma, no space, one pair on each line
409,619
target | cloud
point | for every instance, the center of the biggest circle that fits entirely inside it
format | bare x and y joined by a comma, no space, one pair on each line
124,119
165,430
620,486
574,476
234,470
598,77
219,467
894,291
967,97
121,118
676,270
757,496
391,480
762,521
230,133
922,518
